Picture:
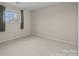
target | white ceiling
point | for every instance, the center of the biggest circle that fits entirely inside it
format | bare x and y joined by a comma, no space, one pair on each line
32,5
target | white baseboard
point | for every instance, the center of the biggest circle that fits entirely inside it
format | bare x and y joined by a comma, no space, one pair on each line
56,39
43,36
17,37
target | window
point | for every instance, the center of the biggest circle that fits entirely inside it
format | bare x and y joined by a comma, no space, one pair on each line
11,16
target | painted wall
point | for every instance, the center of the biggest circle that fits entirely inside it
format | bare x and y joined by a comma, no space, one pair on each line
56,22
78,29
13,30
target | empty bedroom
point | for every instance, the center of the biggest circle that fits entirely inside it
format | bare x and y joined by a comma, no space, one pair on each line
38,28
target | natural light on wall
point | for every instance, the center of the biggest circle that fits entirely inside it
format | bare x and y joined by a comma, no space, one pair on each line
12,17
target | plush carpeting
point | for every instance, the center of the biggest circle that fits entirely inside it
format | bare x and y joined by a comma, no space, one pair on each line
36,46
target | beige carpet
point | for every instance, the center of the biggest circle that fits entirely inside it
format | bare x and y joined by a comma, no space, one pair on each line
36,46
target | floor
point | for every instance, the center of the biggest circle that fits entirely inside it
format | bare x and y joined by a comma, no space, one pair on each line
36,46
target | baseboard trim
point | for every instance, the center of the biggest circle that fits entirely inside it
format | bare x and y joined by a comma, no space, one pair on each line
15,38
40,35
55,39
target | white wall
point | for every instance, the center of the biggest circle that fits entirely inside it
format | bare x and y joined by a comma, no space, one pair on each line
78,28
56,22
13,30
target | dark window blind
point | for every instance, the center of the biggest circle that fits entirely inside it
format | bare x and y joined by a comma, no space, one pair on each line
2,21
22,19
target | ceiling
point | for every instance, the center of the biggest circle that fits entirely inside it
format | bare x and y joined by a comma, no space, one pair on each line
32,5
